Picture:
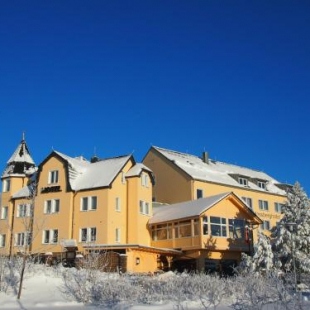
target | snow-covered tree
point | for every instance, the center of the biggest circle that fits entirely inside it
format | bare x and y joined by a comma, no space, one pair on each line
292,234
263,258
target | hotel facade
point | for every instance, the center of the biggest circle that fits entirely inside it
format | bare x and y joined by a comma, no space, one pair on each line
163,213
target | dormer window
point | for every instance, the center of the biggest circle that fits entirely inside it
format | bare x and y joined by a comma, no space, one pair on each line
243,181
261,184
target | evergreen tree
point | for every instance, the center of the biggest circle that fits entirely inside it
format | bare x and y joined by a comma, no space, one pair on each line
262,258
292,234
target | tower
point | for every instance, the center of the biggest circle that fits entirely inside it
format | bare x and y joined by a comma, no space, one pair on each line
18,171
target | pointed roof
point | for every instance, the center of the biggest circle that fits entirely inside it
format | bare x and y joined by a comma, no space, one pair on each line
21,162
84,175
219,172
194,208
137,169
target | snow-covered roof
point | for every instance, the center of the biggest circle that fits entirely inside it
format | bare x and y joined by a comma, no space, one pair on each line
21,154
220,172
137,169
184,209
84,174
20,163
22,193
192,208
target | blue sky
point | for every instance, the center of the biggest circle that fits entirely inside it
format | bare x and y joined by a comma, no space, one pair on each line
115,77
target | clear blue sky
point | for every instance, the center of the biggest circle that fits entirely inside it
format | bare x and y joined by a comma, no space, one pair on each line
115,77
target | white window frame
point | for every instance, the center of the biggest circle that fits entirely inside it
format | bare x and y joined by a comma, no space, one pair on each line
221,225
2,240
145,180
21,239
88,234
263,205
87,203
261,184
53,177
4,212
117,235
51,206
265,225
144,207
50,236
23,210
118,204
6,185
243,181
278,207
248,201
123,177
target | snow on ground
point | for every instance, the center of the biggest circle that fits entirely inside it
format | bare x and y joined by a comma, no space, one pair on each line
44,290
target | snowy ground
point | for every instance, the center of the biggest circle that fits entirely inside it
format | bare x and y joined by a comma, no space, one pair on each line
44,289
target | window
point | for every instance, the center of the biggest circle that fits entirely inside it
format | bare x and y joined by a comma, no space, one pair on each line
6,185
22,239
199,193
248,201
265,225
196,227
123,177
162,232
218,226
50,236
278,207
88,234
261,184
236,228
144,180
89,203
185,229
23,210
117,235
243,181
51,206
53,177
2,241
117,204
205,225
144,207
4,213
263,205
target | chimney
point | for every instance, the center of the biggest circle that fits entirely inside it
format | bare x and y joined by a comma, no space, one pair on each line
205,157
94,159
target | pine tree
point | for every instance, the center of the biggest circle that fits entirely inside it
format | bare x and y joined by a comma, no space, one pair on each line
263,256
262,259
292,234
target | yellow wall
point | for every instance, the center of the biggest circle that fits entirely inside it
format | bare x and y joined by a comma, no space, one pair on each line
6,225
137,222
216,247
173,186
147,261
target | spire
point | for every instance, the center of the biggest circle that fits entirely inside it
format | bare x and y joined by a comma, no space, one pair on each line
21,161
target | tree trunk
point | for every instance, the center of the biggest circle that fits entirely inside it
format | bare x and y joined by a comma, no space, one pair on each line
22,277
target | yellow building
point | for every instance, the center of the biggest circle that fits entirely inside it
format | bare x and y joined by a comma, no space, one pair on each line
98,206
210,232
71,205
182,177
19,170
